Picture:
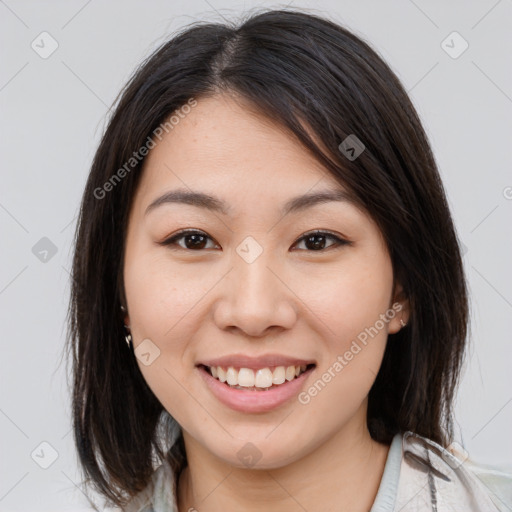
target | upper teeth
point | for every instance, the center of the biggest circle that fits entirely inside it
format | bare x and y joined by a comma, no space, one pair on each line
262,378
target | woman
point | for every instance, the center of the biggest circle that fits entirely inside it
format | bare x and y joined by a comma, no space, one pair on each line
265,226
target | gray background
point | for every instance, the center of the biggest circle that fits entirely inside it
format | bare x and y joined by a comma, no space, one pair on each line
53,112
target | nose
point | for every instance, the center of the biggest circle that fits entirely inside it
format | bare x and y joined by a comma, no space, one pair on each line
255,298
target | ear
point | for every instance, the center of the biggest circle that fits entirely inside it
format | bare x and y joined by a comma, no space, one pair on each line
400,305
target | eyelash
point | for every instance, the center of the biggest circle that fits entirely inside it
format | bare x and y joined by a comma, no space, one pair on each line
172,241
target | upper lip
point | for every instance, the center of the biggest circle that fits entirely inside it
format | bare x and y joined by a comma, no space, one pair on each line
263,361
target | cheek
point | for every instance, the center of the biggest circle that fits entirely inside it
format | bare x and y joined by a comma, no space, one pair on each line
161,306
162,295
349,306
350,298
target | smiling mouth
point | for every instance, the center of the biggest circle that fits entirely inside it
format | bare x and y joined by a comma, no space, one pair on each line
262,379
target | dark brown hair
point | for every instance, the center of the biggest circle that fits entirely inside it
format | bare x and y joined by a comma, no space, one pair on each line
301,71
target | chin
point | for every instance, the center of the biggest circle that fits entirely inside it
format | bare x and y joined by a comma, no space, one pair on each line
257,452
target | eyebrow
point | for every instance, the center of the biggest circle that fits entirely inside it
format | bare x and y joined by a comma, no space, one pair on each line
209,202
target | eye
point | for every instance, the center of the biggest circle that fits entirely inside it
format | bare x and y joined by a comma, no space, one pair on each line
197,240
316,240
193,240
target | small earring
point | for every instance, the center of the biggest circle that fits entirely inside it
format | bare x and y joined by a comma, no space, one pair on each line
128,338
402,323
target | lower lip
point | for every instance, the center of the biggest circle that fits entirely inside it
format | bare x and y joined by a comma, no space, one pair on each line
254,401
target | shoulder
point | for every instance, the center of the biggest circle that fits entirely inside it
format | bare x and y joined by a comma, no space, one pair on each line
498,481
435,478
158,496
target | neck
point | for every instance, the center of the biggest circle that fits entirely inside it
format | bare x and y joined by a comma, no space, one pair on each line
342,474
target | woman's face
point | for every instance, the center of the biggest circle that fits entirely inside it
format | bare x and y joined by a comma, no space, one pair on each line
254,289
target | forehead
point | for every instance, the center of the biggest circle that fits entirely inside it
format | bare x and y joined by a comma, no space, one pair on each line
223,143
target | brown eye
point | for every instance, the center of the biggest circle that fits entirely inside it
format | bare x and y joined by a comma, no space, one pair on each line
192,240
317,240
